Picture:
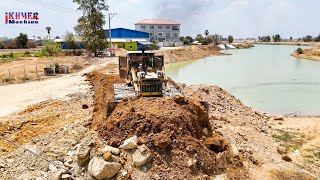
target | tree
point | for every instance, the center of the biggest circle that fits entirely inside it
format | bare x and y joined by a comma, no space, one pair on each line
71,41
290,39
308,38
317,39
22,40
186,40
259,38
230,39
276,38
48,29
90,24
206,33
199,38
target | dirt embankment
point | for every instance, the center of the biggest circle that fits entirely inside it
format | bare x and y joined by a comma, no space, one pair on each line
290,43
189,53
311,54
242,45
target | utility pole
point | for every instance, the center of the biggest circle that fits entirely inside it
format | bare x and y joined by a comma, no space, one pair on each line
110,17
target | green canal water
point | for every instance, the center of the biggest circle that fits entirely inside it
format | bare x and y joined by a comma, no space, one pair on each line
265,78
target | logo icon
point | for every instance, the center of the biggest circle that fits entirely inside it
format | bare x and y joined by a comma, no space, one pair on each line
21,17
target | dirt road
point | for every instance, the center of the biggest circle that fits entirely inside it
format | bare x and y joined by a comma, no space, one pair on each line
18,96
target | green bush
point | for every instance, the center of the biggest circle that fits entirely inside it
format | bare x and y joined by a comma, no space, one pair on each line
153,46
299,51
26,54
51,49
38,54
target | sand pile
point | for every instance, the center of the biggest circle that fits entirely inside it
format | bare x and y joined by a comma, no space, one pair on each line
179,135
189,53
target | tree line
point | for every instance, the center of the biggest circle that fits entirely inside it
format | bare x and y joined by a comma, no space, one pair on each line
206,39
277,38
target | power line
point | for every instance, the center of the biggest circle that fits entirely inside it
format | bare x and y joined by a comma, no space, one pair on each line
47,7
29,29
49,4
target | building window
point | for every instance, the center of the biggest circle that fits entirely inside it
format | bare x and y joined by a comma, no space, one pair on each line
167,27
151,27
159,27
175,35
167,35
175,27
143,27
151,34
159,34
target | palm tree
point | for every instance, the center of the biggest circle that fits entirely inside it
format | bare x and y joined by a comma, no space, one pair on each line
48,30
206,33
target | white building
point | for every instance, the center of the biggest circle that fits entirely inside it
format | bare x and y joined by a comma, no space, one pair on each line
160,30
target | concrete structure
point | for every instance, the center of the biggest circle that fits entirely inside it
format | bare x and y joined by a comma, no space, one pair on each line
160,30
127,38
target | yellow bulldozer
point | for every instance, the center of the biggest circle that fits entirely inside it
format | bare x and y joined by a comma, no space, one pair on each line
145,76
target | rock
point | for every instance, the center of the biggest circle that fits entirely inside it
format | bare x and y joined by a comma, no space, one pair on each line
221,177
68,163
59,174
83,152
115,159
192,162
107,156
141,156
279,118
111,149
101,169
234,150
66,176
221,159
281,150
130,143
285,157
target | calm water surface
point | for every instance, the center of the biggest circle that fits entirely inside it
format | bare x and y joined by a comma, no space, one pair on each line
265,78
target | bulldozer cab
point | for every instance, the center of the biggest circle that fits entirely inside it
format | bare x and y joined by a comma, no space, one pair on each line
147,61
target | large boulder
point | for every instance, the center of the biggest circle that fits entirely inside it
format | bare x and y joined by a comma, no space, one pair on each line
101,169
83,152
130,143
141,156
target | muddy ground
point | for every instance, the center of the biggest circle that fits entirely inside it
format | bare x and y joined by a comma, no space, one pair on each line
243,144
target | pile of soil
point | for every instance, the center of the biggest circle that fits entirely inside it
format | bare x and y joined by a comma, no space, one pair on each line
102,85
179,135
190,53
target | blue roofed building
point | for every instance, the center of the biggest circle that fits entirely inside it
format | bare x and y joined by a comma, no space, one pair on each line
128,39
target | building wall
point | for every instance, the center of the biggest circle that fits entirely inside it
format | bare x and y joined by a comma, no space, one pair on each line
160,32
126,33
131,46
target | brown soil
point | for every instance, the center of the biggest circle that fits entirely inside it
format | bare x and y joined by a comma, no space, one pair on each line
242,45
102,85
189,53
17,67
176,131
311,54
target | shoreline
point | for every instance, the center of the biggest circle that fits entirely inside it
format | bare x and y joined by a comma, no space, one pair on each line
308,54
289,43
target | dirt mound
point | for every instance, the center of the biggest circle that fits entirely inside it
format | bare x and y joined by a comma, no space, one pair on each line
189,53
102,84
179,135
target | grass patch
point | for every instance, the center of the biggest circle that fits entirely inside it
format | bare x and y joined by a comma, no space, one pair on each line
290,140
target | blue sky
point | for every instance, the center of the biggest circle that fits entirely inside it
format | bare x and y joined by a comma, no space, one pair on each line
240,18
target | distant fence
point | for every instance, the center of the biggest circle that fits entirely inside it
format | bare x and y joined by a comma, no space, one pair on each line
35,70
